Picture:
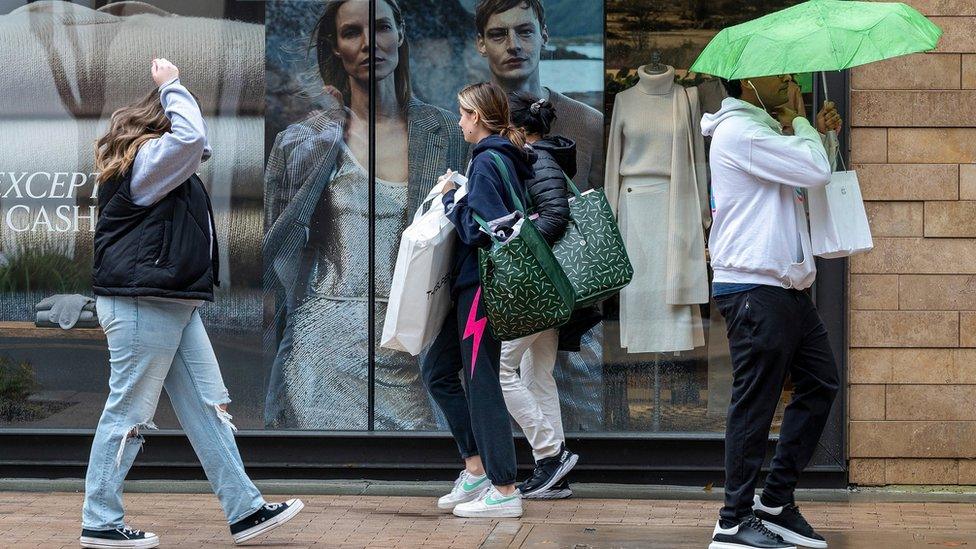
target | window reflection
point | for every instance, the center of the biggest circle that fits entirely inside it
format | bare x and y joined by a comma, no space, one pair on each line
74,65
318,225
678,386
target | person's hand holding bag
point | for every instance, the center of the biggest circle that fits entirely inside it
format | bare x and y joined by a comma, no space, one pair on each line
163,71
446,181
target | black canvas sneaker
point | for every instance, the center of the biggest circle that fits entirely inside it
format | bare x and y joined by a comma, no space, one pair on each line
748,534
560,490
120,537
548,471
265,519
789,524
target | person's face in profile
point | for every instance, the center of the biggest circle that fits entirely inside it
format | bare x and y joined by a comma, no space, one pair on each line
513,42
470,124
352,39
773,91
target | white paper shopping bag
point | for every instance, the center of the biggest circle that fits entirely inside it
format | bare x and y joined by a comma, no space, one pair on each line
420,294
838,222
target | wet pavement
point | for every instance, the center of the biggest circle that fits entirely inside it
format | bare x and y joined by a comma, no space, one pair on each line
51,520
546,536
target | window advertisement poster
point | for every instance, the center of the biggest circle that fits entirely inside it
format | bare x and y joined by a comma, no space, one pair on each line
317,207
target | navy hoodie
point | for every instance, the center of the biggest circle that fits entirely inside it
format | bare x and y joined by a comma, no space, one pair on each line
489,198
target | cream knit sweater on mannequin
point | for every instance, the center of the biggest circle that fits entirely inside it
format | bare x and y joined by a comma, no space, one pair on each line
641,156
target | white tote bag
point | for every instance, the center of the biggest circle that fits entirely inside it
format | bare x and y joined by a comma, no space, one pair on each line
838,222
420,294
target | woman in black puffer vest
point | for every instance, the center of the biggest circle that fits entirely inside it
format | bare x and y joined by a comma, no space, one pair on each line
527,364
156,262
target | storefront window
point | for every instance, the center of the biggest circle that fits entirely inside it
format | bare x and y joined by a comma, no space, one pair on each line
317,180
563,61
683,380
319,360
308,234
74,66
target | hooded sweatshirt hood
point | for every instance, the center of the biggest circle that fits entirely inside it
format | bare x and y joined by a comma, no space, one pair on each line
522,158
732,107
562,149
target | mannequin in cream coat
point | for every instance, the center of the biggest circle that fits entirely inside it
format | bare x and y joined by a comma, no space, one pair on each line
656,181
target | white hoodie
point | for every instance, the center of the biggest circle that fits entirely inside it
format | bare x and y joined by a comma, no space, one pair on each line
759,230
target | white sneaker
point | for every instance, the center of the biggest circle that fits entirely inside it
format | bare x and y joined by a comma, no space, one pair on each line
467,488
492,505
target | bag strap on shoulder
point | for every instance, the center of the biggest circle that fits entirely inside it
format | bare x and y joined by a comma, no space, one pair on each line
572,186
503,169
506,178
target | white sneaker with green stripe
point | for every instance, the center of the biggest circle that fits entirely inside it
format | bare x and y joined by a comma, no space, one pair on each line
466,488
492,505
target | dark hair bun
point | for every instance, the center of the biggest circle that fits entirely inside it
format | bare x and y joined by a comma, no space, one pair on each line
533,114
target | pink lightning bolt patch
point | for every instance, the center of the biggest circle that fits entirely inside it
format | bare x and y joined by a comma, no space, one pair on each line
475,327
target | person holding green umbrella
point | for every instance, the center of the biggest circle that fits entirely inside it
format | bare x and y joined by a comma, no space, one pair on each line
762,263
762,155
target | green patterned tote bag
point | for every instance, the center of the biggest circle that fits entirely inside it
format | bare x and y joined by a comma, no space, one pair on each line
591,252
525,290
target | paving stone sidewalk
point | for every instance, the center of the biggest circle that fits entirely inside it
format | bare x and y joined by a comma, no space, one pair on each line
51,520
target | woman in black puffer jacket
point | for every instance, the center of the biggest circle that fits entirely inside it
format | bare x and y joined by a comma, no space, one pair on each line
527,363
556,160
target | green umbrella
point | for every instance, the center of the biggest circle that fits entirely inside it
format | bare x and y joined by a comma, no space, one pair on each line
818,35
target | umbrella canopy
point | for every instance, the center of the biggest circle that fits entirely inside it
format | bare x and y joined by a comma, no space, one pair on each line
818,35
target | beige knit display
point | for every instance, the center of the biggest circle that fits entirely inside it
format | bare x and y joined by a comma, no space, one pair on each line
68,67
64,59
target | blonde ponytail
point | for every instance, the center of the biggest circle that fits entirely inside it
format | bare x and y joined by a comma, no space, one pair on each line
515,135
491,104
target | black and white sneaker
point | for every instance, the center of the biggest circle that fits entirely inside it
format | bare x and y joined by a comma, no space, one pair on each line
789,524
120,537
748,534
265,519
548,471
560,490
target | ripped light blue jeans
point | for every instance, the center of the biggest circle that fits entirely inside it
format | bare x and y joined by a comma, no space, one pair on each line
154,344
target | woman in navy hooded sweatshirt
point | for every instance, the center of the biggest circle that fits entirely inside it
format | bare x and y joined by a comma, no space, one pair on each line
477,416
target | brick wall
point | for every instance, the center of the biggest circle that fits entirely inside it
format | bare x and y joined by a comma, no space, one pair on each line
912,400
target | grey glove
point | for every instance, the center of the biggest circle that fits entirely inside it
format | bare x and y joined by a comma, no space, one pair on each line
48,302
66,309
87,319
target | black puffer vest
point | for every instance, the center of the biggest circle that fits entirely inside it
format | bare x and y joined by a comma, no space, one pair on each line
162,250
550,197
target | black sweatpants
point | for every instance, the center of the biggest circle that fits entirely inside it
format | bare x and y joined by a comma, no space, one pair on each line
477,416
773,332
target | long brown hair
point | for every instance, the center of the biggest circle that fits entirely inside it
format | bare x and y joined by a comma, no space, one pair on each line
491,104
130,127
330,67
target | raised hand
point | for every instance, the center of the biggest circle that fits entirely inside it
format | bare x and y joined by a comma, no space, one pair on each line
163,71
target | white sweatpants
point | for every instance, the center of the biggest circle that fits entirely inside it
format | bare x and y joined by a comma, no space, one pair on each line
532,397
